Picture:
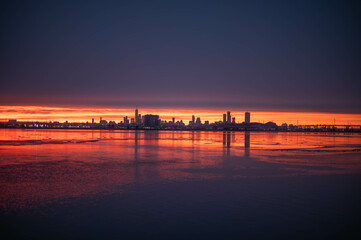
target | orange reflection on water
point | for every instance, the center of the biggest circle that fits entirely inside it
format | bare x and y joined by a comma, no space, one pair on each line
44,166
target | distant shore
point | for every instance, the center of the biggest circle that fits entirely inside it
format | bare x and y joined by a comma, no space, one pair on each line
193,130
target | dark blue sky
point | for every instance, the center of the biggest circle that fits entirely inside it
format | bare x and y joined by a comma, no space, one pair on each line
272,55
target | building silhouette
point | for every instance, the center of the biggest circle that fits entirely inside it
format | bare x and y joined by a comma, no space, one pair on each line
247,117
198,121
136,116
150,120
228,117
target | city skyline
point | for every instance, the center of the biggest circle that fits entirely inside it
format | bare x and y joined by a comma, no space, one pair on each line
30,113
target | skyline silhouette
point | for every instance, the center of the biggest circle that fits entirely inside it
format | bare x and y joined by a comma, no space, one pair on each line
152,121
84,114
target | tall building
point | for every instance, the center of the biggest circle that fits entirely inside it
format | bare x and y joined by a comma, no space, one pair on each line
228,117
136,116
233,120
150,120
193,119
92,120
224,118
198,121
173,120
126,121
247,117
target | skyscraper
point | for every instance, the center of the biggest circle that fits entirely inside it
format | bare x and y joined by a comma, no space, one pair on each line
224,118
193,119
126,121
198,122
150,120
247,117
228,117
136,116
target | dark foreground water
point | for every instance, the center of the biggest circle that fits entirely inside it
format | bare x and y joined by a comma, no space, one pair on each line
80,184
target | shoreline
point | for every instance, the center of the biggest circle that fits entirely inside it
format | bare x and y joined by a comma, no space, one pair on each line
357,131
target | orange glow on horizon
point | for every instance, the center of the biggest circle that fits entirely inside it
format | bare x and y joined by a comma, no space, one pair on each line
62,114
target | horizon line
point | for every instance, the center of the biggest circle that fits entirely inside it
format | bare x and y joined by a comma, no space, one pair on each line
76,114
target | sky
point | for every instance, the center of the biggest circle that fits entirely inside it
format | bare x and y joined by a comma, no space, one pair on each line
271,56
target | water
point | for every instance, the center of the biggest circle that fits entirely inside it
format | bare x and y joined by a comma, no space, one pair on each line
96,184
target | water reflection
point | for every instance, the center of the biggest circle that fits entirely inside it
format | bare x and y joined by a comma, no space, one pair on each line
42,166
230,137
227,143
246,143
136,170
